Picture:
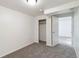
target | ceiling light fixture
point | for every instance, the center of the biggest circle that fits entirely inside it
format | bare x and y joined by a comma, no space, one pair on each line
32,2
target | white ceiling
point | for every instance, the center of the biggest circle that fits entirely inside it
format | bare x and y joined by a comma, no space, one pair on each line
21,5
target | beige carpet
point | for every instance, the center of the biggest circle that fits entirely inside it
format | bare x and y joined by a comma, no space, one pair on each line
41,51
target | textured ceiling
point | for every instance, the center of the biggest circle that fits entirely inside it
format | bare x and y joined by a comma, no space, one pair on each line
21,5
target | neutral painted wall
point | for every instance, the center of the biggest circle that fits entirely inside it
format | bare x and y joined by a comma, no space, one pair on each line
76,31
16,30
49,31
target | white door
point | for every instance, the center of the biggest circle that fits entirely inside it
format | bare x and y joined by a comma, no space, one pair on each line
42,30
54,30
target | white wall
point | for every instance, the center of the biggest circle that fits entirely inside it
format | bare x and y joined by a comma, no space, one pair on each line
16,30
76,31
65,26
49,31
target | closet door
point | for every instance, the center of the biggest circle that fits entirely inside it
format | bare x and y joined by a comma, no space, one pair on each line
54,30
42,29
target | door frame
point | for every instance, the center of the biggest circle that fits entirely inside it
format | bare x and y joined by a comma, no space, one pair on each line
48,30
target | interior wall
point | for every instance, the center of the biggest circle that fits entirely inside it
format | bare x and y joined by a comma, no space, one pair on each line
16,30
76,31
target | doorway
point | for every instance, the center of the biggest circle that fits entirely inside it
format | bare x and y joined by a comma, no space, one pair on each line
42,31
65,30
